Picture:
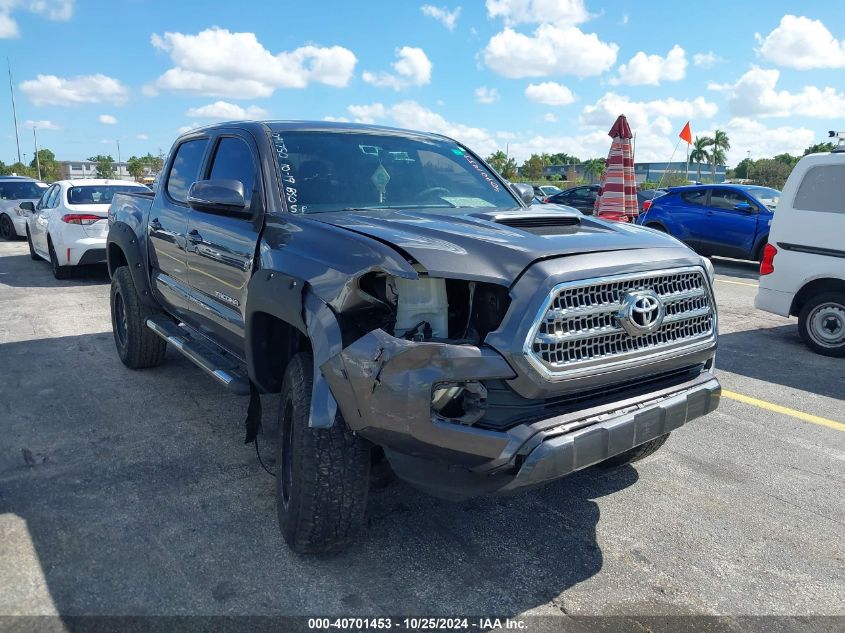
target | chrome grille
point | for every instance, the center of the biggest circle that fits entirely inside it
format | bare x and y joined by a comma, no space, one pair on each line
579,327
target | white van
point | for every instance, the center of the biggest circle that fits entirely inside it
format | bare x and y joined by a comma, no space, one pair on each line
803,268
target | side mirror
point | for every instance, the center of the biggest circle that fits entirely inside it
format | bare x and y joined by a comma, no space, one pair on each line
745,207
27,206
218,196
524,191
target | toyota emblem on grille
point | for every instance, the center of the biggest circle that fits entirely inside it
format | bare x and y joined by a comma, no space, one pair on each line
641,313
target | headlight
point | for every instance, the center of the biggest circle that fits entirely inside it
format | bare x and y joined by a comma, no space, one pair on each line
708,266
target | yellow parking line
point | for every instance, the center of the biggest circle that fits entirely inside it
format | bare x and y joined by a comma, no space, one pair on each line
737,283
806,417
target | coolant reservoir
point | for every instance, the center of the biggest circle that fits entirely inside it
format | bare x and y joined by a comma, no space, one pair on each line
422,299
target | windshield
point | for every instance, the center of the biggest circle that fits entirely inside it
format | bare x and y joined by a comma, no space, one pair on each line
98,194
343,171
26,190
766,195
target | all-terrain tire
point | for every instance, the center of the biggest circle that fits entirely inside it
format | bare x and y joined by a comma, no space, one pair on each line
59,272
32,253
636,454
322,475
821,323
137,346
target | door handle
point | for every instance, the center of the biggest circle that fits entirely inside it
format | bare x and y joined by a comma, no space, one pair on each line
709,213
155,225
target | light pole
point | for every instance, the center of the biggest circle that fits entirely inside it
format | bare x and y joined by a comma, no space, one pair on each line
37,158
118,158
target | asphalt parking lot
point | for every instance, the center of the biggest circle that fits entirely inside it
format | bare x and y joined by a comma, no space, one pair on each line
132,492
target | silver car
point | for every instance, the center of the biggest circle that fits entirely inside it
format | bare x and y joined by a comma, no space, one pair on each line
13,191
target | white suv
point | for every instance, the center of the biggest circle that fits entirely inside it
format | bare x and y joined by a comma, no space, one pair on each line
69,225
803,268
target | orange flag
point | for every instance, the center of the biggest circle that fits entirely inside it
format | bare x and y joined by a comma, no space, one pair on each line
686,134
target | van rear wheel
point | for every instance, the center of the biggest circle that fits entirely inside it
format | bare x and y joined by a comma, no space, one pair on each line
821,323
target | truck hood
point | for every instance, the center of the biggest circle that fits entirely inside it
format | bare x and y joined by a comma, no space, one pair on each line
480,245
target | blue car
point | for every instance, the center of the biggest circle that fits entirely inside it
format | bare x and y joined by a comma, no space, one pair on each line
724,220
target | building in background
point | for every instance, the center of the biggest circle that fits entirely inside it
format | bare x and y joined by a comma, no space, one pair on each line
643,172
78,169
652,172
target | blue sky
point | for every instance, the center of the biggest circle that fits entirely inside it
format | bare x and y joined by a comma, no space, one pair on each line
533,75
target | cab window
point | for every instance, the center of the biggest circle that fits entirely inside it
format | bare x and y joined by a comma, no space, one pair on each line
823,189
695,198
724,199
233,161
185,169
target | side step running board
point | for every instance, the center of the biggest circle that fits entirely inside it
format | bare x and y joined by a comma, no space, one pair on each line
225,369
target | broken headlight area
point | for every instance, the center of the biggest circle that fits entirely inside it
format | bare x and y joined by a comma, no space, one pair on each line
430,308
462,402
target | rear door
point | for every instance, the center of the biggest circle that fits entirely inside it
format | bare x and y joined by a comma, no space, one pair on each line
584,199
169,225
221,248
729,231
686,215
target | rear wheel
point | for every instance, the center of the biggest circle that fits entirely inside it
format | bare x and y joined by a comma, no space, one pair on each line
821,323
637,453
59,272
322,475
32,253
7,228
137,346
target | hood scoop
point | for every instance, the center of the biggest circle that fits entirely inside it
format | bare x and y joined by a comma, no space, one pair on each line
542,224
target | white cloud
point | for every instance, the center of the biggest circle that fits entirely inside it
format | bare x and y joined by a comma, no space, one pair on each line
226,110
218,62
802,43
142,137
60,10
561,12
550,50
52,90
755,94
411,68
486,95
187,128
706,60
642,113
367,113
763,142
42,125
447,18
107,119
550,93
550,117
650,70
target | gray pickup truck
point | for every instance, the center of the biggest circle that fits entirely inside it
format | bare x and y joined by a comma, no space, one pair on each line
407,305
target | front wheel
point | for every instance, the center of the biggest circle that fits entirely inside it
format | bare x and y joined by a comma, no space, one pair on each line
636,454
322,475
32,254
137,346
7,228
821,323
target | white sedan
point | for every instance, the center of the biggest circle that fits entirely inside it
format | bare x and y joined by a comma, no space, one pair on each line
69,225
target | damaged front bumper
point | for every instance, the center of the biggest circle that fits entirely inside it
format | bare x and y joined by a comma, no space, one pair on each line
383,386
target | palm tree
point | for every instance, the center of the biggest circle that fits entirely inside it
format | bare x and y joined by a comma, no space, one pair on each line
699,153
595,168
721,143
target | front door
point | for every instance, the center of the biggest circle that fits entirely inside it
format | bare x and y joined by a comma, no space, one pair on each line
221,248
732,230
41,218
169,226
